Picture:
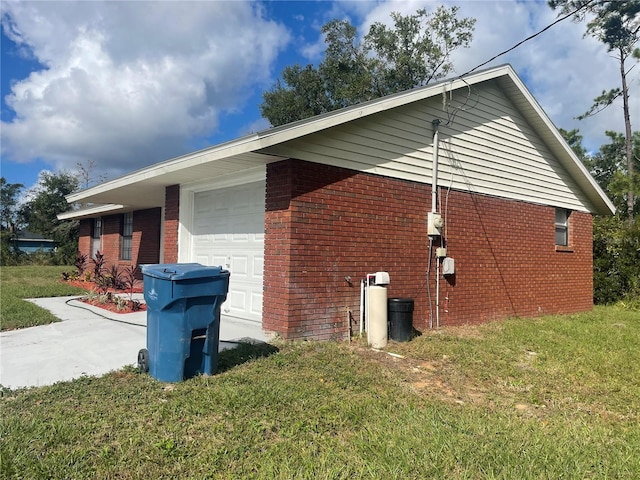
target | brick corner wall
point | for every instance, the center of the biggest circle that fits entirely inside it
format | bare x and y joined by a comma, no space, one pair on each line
84,237
171,223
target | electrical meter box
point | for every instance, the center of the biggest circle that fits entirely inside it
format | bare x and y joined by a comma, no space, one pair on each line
434,224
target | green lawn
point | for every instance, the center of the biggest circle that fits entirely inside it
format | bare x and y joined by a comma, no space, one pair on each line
17,283
555,397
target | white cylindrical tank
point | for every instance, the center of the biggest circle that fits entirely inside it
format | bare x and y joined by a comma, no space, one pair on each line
378,316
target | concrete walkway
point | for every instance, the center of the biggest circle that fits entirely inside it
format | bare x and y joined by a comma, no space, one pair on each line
87,341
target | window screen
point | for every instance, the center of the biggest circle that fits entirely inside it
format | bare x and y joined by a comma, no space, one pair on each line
127,235
562,227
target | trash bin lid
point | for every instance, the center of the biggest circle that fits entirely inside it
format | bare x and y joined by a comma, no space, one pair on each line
180,271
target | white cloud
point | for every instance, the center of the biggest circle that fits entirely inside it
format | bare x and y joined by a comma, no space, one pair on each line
130,83
127,84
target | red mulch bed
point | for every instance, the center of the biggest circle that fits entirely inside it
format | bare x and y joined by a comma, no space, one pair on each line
110,306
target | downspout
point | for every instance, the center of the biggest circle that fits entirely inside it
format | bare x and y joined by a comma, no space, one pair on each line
437,293
367,314
361,307
434,181
434,207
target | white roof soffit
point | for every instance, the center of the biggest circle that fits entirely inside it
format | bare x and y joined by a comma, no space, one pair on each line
145,188
91,211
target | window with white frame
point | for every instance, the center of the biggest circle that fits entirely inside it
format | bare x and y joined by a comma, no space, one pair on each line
562,227
127,236
96,233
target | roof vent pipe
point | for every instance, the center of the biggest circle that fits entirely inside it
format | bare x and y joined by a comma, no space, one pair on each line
434,174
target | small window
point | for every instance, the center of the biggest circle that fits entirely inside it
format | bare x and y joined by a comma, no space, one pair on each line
97,228
95,236
127,236
562,227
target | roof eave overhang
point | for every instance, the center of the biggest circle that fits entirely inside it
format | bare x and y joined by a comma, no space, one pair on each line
92,211
163,174
251,150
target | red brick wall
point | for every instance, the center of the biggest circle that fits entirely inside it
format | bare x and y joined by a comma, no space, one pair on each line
277,265
325,223
146,237
111,231
171,222
507,263
84,237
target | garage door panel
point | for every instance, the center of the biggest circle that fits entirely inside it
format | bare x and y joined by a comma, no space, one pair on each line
202,240
203,259
246,224
243,302
220,199
229,231
203,204
240,265
220,227
257,265
241,203
236,300
246,199
256,304
219,260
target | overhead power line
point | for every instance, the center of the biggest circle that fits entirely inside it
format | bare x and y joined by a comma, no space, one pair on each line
570,14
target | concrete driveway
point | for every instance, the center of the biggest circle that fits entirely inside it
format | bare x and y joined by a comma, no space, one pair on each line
87,341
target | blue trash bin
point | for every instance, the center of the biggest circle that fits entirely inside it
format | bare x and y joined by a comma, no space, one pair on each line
183,319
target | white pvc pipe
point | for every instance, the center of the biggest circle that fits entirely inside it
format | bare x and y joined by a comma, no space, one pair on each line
437,292
367,314
434,175
361,307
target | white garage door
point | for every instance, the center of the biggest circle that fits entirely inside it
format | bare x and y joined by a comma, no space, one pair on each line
228,230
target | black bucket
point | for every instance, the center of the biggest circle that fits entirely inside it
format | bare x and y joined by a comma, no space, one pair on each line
400,312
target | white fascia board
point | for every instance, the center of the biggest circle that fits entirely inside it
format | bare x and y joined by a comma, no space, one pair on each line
89,211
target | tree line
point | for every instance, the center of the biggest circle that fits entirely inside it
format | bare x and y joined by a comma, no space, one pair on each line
36,211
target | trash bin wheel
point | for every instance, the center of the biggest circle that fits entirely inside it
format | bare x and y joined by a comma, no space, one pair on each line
143,360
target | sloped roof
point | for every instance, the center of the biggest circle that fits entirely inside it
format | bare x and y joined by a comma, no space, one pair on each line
144,188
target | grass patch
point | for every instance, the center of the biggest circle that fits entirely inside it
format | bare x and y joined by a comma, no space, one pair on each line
556,397
17,283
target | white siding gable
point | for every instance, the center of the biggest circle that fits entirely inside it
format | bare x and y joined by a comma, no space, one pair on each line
486,147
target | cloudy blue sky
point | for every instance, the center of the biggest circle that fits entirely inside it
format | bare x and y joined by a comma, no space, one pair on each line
126,84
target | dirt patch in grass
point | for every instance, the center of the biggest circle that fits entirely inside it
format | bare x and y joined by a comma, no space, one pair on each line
441,380
432,378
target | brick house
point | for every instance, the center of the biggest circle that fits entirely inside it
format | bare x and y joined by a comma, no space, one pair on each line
300,213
